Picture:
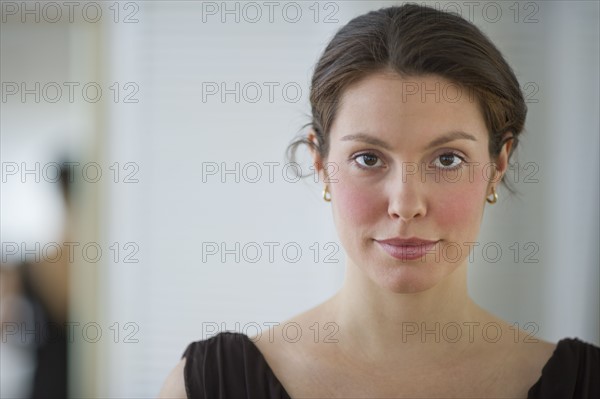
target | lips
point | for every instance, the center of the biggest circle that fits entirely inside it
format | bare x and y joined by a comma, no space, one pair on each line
407,248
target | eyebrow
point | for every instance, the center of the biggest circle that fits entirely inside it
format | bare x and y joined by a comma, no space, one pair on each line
450,136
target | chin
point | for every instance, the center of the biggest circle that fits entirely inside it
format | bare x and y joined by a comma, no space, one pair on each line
405,276
406,279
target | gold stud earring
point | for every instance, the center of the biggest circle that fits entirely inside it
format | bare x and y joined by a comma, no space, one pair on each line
326,194
494,197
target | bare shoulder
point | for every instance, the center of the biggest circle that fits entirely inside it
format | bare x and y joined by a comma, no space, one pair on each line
285,345
298,351
536,354
174,386
530,349
525,361
305,331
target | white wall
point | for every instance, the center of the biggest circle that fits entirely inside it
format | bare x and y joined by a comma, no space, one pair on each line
554,219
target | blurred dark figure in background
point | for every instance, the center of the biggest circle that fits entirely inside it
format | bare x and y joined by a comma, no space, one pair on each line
34,315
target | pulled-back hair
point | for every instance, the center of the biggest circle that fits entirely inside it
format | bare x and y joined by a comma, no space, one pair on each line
416,40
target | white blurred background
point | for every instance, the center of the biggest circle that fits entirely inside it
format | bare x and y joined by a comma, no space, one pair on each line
159,131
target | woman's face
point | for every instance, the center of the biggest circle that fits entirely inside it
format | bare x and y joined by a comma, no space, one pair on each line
408,160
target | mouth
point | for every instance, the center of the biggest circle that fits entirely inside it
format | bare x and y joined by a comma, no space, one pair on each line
407,248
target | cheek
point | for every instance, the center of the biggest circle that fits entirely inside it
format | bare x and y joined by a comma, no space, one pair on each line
355,204
458,207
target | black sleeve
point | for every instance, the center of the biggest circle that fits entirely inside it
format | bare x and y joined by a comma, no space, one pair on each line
228,365
573,371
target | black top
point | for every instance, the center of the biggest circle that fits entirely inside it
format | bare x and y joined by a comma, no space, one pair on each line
229,365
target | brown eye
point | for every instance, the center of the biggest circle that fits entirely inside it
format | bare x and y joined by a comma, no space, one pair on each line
447,159
370,160
367,160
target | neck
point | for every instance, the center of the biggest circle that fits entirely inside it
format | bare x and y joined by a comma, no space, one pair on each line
390,325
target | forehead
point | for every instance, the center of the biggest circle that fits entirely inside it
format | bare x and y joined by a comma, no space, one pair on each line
420,107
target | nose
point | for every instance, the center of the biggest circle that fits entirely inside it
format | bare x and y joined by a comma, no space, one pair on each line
407,199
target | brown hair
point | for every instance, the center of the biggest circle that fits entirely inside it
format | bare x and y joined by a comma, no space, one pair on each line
414,40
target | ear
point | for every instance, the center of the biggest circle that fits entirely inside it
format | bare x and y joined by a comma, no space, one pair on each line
502,158
318,162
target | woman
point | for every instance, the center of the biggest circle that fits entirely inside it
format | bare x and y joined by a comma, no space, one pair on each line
415,117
